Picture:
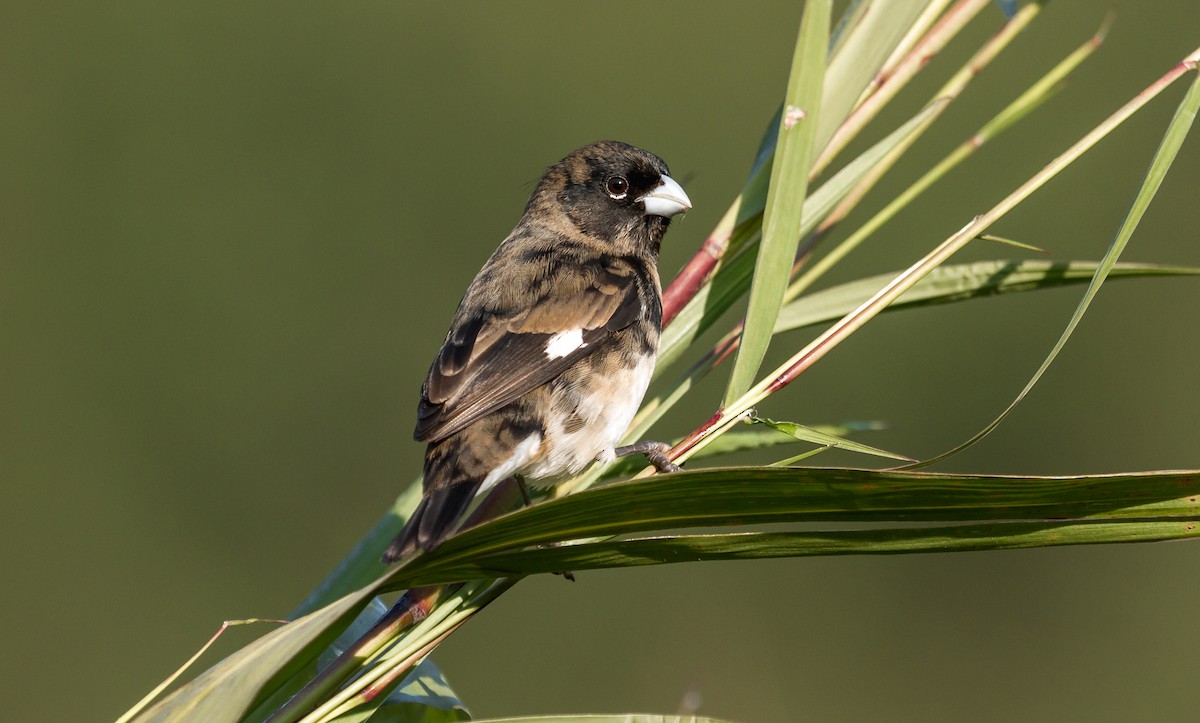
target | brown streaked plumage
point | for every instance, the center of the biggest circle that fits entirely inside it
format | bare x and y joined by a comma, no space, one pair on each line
552,346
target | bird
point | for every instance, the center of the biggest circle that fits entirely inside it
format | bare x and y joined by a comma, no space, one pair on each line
552,347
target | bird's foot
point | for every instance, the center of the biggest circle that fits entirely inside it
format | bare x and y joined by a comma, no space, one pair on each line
655,453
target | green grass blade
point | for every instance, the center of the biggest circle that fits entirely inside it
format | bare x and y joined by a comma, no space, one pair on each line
803,456
747,441
236,685
785,196
1168,149
595,555
960,282
762,495
152,695
818,437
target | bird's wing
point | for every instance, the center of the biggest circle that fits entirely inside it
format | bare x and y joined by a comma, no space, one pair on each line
489,359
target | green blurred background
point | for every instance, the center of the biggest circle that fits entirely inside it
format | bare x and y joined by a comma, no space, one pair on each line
233,236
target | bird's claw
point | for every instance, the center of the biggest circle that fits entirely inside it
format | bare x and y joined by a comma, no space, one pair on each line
654,452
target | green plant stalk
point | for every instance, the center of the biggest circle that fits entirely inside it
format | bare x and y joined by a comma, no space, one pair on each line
806,357
866,35
360,656
953,88
376,695
932,43
415,608
737,267
902,50
1177,130
366,651
1028,101
411,648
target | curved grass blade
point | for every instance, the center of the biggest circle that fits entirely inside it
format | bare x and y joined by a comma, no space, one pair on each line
1168,149
149,698
236,685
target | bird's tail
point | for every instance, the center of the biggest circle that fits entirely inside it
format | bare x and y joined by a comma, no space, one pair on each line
447,496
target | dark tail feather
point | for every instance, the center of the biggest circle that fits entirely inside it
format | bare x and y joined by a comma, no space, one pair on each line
435,517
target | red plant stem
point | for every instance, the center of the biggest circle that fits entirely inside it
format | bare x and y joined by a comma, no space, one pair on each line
694,274
403,669
412,607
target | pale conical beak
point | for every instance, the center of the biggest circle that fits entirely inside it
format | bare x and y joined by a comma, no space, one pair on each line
667,199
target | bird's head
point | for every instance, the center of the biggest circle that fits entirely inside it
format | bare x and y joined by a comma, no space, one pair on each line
613,192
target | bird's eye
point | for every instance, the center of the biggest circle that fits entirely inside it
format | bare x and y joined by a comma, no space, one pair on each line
617,186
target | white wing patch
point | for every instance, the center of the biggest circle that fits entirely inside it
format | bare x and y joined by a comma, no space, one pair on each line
563,343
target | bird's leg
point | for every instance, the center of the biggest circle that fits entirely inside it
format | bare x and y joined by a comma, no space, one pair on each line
655,453
524,490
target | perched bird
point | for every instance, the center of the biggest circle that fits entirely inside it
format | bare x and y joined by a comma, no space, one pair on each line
552,346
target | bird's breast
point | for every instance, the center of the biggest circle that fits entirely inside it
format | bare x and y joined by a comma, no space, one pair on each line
590,411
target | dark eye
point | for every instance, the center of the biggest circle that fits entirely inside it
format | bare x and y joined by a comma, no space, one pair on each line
617,186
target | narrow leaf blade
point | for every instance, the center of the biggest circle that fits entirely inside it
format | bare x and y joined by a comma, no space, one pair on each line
595,555
815,436
762,495
960,282
785,196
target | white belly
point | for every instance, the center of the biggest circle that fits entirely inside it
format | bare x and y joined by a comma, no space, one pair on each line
605,421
